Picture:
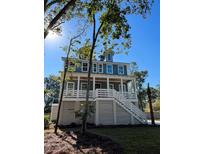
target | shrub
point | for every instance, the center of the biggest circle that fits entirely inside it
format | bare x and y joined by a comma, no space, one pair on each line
46,122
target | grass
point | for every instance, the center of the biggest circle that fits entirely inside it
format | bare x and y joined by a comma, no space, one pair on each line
136,140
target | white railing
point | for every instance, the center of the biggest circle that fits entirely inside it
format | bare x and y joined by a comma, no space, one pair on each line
76,94
113,93
121,98
129,95
122,101
102,93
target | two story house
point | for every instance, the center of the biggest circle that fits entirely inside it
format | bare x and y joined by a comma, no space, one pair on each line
112,92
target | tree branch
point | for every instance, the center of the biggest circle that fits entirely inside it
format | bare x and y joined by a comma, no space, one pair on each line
46,6
57,25
104,20
58,16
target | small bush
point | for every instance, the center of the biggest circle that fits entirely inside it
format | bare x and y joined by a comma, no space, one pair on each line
46,122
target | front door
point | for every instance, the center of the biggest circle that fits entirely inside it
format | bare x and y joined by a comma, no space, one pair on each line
70,88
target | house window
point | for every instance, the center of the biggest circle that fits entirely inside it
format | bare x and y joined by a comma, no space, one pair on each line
83,86
109,69
84,67
100,68
109,57
120,70
94,68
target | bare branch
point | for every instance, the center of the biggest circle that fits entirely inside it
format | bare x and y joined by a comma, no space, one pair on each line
57,25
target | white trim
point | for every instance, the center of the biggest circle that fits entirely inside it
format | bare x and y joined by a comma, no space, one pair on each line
108,84
121,83
78,86
82,66
122,70
67,87
96,68
99,67
93,86
107,69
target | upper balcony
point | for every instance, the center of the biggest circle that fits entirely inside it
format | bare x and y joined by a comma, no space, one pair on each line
101,86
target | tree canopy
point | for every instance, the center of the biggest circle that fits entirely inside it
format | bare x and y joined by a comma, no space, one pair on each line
51,90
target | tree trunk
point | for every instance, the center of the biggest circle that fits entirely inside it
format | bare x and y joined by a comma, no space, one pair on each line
58,16
88,89
61,97
95,36
62,88
150,104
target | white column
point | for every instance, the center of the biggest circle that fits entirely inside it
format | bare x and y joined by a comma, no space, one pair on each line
108,86
132,118
121,86
78,86
66,88
96,112
114,113
93,86
136,92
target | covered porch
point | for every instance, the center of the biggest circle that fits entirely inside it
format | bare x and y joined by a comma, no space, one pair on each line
76,86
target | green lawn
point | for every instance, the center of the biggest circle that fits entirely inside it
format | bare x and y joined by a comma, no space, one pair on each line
136,140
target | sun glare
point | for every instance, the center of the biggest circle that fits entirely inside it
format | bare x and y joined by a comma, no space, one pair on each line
51,35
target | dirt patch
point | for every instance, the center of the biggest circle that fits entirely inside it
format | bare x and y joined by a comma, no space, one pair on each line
74,143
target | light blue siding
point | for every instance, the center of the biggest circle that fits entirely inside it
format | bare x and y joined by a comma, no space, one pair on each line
125,70
115,69
104,69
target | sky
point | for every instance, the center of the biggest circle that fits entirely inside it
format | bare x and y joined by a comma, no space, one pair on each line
145,49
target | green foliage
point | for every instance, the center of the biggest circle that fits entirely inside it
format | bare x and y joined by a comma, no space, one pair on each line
46,122
51,91
155,98
84,51
156,105
140,79
113,17
51,11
